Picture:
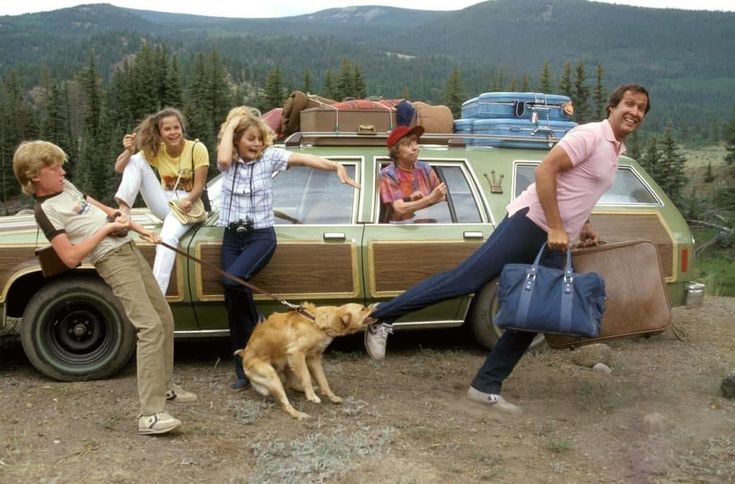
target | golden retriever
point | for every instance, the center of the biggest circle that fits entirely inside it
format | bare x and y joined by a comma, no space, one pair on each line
290,345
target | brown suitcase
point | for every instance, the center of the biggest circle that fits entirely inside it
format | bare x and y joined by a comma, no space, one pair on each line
637,299
330,118
434,119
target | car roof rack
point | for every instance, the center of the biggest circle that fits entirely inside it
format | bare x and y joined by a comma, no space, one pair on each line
351,138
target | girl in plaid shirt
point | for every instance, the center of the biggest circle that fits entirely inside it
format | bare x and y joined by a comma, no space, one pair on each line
247,158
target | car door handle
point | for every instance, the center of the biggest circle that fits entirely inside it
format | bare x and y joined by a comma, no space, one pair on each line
334,236
472,235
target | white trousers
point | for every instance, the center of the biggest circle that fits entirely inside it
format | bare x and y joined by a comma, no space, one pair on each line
138,177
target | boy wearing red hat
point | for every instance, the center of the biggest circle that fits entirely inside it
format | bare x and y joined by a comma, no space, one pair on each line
407,185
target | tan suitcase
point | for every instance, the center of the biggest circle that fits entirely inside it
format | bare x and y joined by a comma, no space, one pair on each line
434,119
376,119
637,299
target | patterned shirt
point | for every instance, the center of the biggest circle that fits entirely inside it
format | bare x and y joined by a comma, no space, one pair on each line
193,155
247,189
397,183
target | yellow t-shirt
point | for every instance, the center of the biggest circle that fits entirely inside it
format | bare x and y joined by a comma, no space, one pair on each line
168,167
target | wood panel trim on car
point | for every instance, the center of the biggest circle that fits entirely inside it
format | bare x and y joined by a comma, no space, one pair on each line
620,226
175,291
298,270
396,265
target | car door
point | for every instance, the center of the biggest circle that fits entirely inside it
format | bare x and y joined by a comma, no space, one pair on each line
436,239
318,254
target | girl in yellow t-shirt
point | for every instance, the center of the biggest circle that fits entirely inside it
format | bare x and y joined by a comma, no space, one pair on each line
158,142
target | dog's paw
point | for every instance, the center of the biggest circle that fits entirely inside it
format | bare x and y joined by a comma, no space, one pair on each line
314,398
301,415
336,399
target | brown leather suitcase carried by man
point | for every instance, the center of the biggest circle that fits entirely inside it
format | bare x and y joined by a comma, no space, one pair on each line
637,301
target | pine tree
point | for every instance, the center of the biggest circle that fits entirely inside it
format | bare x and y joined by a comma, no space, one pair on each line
565,83
17,125
673,162
307,81
633,145
273,93
173,92
453,93
709,177
55,123
651,160
220,101
599,98
526,83
580,96
545,79
729,135
145,96
513,84
358,82
346,81
330,90
94,167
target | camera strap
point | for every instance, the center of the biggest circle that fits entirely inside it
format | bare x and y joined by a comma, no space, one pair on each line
291,307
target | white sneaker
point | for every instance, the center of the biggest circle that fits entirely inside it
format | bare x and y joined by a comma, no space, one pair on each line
179,395
493,400
158,423
376,338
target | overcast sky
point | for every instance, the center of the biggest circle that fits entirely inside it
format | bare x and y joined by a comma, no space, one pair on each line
283,8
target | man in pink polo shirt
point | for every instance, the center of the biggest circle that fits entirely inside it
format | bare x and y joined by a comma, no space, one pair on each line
554,209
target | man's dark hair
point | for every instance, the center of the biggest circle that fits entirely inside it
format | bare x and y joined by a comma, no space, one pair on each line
617,95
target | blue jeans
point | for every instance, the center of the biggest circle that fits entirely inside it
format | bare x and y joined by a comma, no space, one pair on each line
244,256
515,240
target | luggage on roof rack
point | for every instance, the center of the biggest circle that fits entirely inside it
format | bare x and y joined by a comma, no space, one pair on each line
519,105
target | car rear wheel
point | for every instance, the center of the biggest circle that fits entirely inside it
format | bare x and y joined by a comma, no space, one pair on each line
75,329
484,306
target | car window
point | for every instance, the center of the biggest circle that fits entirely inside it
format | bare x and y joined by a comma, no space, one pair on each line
303,195
628,188
461,205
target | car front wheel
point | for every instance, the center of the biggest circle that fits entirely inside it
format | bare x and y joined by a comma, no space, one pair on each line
75,329
483,309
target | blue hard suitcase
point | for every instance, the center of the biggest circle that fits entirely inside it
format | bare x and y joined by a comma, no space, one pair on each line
519,105
463,126
519,133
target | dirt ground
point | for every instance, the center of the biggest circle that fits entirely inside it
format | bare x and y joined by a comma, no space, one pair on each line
659,417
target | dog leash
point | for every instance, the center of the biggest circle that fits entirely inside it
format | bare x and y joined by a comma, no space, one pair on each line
291,307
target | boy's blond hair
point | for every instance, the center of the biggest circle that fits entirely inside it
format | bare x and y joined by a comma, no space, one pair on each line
250,117
30,157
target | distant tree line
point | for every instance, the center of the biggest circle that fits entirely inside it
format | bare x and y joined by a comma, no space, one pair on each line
88,114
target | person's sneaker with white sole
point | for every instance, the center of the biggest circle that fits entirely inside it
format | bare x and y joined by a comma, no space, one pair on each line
179,395
158,423
494,401
376,338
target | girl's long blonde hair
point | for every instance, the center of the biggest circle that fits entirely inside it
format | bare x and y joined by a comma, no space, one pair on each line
250,117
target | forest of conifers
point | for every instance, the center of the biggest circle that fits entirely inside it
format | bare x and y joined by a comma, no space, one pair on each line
84,76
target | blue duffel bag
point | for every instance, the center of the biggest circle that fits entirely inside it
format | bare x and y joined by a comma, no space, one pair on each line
547,300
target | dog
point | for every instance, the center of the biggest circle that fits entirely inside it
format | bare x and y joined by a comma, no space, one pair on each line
288,347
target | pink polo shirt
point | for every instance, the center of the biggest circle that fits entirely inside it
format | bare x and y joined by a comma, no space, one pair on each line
594,152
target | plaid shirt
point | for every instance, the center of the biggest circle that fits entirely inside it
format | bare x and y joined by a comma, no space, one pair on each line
247,189
397,184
